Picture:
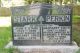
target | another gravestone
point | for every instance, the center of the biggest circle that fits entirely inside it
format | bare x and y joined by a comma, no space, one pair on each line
52,24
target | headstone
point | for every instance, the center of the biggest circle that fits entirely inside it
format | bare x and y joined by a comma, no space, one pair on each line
44,27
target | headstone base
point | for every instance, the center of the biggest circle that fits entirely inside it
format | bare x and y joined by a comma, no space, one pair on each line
46,49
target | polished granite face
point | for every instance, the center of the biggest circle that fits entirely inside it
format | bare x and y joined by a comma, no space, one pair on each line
41,24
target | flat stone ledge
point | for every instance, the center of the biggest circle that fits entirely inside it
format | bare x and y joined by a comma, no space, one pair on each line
46,49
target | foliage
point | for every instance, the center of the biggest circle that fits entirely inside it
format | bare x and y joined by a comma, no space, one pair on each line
51,1
76,10
4,11
79,0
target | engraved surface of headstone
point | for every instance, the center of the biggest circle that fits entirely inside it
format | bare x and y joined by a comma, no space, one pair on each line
43,28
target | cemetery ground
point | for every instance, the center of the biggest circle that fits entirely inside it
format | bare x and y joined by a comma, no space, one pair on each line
6,36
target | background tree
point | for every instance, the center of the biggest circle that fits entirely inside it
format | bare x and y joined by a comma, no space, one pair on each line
71,1
79,0
28,1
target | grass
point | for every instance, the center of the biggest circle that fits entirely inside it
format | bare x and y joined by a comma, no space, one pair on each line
76,29
76,36
5,36
76,19
10,50
78,51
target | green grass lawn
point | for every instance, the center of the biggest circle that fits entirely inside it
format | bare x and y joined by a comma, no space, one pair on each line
76,29
5,36
76,19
